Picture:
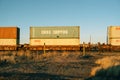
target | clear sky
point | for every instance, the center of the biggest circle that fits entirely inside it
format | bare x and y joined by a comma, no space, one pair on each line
93,16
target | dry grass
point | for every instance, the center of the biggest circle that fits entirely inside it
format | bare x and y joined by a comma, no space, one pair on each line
10,59
54,56
8,56
65,63
109,68
20,53
109,61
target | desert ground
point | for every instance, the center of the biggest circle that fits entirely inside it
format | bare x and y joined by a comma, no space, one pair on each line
59,65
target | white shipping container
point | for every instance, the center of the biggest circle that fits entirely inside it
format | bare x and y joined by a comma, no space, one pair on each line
114,32
114,42
53,42
8,42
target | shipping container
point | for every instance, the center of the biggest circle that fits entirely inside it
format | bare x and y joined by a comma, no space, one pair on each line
62,35
9,38
114,41
55,38
54,41
8,42
113,35
114,32
55,32
9,33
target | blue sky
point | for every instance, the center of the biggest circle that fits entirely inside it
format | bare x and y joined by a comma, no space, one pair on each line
93,16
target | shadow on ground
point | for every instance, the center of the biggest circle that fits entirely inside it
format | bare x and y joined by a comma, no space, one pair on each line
111,73
34,76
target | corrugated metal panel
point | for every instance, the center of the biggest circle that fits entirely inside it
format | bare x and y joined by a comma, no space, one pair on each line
55,32
54,41
114,42
114,32
8,42
9,33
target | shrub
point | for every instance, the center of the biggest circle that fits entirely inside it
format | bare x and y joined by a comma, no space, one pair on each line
109,68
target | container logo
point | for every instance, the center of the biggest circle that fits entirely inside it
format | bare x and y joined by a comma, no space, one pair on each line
54,32
117,28
45,32
37,41
117,40
60,32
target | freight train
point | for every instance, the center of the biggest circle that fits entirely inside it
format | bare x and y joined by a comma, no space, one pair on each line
56,38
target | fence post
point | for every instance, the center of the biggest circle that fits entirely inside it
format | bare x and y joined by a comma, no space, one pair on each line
44,48
84,49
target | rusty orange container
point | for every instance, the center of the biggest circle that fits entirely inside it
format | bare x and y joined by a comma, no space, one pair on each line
9,35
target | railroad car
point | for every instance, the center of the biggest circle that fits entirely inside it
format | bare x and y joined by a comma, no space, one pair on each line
54,38
113,37
9,38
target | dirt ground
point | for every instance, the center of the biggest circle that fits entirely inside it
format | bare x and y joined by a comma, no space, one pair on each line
56,65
